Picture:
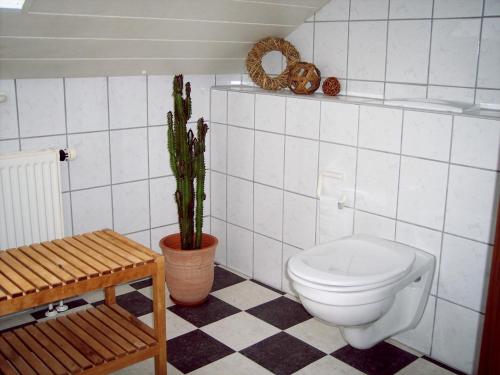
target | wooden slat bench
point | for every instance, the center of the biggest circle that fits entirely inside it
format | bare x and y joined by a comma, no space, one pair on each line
95,341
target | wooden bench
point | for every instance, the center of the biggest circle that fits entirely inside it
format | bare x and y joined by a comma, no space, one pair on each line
95,341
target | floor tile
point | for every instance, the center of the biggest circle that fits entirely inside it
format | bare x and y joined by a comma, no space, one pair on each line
40,314
240,330
281,312
195,349
245,295
268,287
224,278
232,364
282,354
148,292
422,366
404,347
98,295
134,302
383,358
176,326
210,311
442,365
328,366
142,284
320,335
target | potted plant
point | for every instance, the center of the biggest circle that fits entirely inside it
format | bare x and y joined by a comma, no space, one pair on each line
189,254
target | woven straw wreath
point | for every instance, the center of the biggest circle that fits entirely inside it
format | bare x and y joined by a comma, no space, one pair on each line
254,62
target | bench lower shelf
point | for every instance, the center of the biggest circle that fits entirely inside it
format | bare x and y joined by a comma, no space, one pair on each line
94,341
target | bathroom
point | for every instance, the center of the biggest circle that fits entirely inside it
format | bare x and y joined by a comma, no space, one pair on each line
285,172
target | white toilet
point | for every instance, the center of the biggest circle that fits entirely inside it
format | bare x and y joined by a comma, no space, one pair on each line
369,287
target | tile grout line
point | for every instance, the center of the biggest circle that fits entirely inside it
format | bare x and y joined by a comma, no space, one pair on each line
430,52
67,165
318,202
479,49
225,176
399,170
148,160
348,48
253,191
354,203
386,46
17,114
283,266
110,156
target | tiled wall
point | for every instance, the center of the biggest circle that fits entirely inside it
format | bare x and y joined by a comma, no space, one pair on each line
121,178
447,49
422,178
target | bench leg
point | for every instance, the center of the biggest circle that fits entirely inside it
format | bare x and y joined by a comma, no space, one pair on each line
159,314
109,295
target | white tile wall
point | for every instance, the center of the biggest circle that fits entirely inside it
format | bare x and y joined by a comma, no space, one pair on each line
400,184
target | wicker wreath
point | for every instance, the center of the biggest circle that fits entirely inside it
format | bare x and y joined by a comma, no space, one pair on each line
304,78
254,62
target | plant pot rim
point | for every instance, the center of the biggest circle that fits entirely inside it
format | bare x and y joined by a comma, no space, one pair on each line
213,242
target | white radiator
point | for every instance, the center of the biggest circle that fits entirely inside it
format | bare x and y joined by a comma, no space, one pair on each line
30,198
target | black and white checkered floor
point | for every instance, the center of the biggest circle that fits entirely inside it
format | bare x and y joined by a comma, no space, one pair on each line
248,328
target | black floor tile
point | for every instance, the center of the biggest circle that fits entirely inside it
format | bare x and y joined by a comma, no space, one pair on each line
281,312
142,284
40,314
440,364
382,359
282,354
224,278
210,311
134,302
268,287
195,349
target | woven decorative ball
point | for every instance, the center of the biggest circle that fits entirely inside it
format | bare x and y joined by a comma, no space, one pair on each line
254,62
331,86
304,78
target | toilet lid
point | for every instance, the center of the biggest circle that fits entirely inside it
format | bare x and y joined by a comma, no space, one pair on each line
358,260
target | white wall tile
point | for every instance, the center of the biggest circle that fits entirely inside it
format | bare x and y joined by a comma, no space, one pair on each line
457,334
299,224
492,8
288,252
340,159
240,143
302,117
129,157
424,239
131,206
240,249
333,223
459,94
301,38
408,51
218,109
41,107
454,52
91,209
489,58
240,202
270,113
476,142
218,151
335,10
377,182
91,167
218,229
268,211
301,165
8,110
427,135
218,195
228,79
159,158
366,89
86,104
240,109
410,9
369,9
458,8
9,146
365,223
268,255
269,158
339,123
465,271
487,96
367,49
67,217
330,48
380,128
160,99
158,233
272,62
127,102
142,237
472,203
420,337
162,201
200,94
398,90
422,192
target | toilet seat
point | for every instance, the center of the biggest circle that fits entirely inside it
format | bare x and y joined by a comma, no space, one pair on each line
355,263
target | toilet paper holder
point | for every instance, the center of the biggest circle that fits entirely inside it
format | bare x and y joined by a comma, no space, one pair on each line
329,174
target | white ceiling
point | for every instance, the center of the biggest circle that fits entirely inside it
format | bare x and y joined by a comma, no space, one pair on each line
54,38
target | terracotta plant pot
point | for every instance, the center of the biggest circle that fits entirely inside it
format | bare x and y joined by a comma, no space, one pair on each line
189,273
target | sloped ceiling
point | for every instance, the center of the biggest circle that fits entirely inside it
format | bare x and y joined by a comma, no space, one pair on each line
71,38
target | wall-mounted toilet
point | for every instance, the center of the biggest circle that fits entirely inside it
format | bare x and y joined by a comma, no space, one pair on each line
369,287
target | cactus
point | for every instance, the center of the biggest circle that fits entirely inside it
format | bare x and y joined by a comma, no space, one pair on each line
187,160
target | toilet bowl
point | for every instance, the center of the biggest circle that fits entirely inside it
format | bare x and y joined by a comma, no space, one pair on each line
369,287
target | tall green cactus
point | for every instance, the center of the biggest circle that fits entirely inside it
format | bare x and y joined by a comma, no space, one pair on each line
187,160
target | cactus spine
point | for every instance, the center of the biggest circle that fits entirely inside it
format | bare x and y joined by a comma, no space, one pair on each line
187,160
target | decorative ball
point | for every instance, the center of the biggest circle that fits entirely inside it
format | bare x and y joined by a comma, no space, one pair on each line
331,86
254,62
304,78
